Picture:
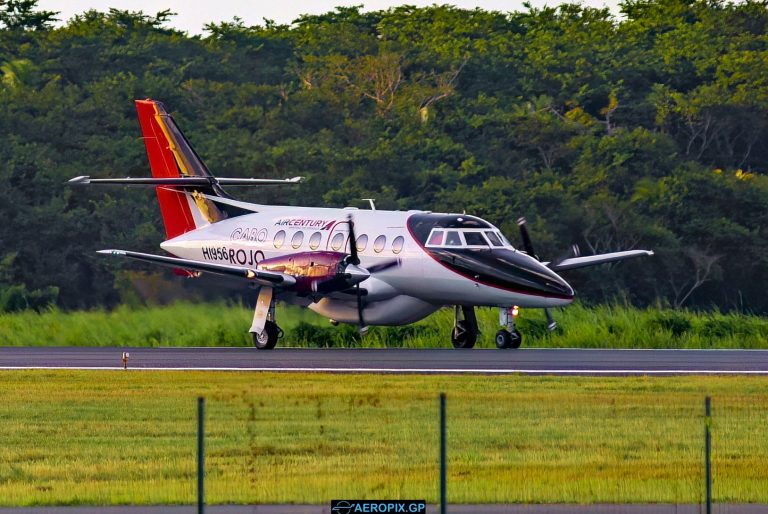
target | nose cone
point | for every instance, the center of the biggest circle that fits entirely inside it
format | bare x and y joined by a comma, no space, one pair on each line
527,272
546,280
507,269
356,274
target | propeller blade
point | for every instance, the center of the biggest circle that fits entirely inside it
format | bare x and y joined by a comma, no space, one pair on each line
376,268
363,328
526,239
573,251
551,323
353,258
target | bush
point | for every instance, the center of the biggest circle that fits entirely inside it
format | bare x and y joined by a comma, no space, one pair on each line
675,322
19,298
324,337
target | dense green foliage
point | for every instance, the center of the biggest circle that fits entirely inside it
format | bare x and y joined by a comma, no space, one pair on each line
220,324
645,130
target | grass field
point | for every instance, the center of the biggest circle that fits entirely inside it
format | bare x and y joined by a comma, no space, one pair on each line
129,438
219,324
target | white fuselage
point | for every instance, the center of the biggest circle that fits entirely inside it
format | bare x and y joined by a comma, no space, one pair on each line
415,289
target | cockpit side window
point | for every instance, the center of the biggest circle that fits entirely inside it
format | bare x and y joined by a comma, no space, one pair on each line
452,238
436,239
493,238
475,239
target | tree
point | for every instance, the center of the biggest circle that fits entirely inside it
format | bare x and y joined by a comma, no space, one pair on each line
21,15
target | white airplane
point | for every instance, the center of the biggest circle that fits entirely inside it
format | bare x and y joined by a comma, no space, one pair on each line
367,267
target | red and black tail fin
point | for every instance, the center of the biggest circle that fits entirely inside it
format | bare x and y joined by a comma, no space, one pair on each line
190,196
170,157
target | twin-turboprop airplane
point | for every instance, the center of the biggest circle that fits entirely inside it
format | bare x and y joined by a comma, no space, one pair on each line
367,267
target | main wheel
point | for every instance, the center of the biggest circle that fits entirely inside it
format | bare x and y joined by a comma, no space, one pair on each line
268,337
462,336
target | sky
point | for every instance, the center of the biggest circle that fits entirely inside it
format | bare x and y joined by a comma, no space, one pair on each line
192,15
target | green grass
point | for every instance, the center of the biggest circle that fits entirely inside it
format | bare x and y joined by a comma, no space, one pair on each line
219,324
75,437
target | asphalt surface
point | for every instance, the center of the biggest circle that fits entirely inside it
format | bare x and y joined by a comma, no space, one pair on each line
530,361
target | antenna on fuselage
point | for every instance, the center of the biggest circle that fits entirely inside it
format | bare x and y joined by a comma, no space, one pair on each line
370,200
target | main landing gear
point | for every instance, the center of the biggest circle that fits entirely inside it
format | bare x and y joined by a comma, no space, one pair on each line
264,330
508,337
464,334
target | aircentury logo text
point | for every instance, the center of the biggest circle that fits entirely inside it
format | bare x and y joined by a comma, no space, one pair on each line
378,506
305,223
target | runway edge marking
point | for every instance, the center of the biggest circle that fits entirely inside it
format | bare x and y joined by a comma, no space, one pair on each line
409,370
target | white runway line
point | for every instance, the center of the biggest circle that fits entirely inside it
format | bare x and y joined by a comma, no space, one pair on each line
413,370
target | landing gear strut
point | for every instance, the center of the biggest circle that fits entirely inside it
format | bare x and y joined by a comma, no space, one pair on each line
264,330
508,337
464,334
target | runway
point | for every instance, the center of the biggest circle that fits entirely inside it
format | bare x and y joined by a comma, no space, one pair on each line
428,361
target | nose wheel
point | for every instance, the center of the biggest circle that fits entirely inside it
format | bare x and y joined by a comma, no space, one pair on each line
507,339
464,333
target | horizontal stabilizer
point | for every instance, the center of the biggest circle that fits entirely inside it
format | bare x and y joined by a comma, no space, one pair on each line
85,180
265,278
594,260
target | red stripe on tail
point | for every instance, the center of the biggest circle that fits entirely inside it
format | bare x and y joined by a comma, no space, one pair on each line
174,206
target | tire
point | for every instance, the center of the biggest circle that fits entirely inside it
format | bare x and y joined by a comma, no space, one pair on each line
503,339
462,336
268,338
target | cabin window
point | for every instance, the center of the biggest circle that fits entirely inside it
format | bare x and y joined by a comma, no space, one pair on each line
493,238
314,241
475,239
337,241
362,242
452,238
379,243
279,239
397,244
436,239
297,239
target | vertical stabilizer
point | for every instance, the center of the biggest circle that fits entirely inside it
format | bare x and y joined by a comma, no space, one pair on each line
171,156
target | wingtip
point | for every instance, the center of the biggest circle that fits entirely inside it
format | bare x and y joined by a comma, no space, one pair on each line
82,180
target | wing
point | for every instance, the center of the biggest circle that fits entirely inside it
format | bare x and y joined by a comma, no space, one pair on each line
593,260
265,278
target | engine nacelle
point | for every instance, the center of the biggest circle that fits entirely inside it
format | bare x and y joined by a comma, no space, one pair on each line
313,271
399,310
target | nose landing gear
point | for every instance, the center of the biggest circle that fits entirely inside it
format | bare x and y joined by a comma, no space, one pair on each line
464,334
508,337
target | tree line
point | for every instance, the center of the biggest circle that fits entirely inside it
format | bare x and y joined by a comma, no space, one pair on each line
640,130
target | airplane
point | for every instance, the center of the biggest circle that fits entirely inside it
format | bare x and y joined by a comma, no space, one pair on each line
364,267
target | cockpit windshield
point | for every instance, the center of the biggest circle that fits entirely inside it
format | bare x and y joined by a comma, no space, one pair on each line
471,238
493,238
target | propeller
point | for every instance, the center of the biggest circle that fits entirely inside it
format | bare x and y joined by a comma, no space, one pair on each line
528,245
573,251
353,264
352,258
521,222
